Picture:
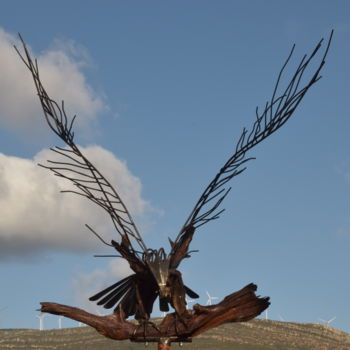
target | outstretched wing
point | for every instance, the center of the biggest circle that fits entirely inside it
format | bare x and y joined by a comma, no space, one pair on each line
276,112
89,182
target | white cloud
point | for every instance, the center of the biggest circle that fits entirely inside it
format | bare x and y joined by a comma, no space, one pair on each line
35,217
86,285
60,70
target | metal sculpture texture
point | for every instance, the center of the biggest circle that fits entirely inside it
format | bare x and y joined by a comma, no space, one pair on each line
156,272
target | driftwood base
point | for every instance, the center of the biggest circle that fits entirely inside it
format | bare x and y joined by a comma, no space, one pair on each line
240,306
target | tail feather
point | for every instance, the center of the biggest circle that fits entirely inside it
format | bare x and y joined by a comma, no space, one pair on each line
114,299
191,293
163,304
128,302
109,300
103,292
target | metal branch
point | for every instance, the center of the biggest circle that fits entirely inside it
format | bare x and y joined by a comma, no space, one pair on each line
240,306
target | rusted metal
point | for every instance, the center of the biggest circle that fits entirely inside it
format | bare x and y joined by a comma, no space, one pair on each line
156,273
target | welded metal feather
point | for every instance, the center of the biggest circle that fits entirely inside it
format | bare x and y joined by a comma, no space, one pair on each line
88,181
276,112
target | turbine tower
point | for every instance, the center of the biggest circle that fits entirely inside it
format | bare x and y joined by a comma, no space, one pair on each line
41,320
60,322
210,298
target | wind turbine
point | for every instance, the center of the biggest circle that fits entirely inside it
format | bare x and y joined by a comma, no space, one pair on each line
210,298
328,321
41,320
60,322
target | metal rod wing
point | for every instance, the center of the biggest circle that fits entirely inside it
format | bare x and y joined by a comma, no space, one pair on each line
88,181
276,112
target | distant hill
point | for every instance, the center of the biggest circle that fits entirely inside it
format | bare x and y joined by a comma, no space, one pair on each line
258,334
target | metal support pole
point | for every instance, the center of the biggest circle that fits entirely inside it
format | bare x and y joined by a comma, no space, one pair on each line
164,344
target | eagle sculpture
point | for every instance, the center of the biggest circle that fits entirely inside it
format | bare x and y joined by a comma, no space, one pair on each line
155,272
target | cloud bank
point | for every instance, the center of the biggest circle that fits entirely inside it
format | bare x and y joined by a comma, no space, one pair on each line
60,70
35,217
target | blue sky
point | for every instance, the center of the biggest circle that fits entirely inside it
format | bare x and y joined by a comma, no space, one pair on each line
163,90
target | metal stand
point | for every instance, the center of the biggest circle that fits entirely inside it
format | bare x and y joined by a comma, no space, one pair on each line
163,343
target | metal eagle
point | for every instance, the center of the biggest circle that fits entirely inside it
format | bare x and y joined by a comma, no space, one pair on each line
155,272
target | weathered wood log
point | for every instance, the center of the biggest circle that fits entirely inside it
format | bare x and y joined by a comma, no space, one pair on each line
240,306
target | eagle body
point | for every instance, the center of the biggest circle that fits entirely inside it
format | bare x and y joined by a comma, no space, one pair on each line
155,276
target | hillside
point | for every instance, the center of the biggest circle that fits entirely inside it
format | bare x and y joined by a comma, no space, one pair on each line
258,334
